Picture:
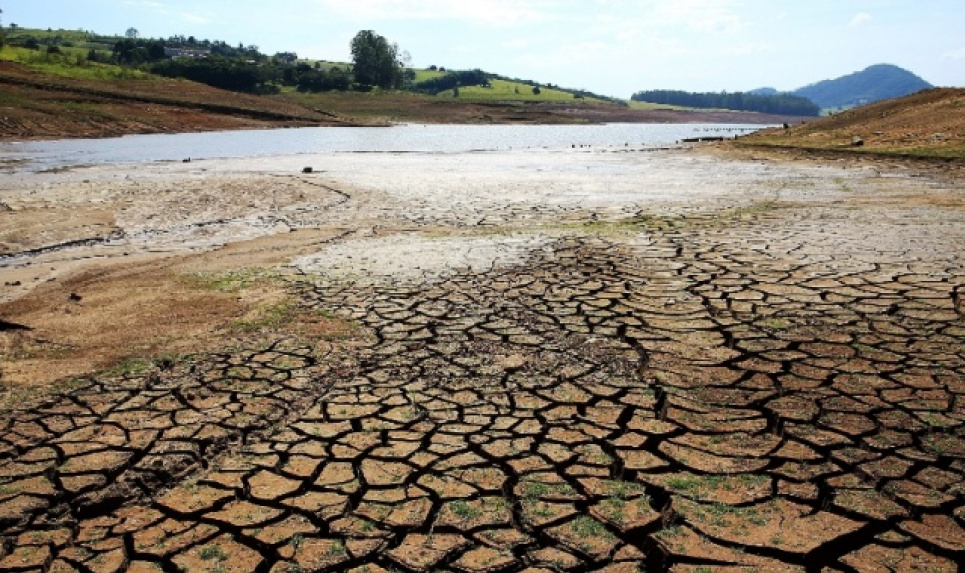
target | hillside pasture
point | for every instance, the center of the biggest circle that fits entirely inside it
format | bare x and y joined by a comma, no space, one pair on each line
71,63
505,90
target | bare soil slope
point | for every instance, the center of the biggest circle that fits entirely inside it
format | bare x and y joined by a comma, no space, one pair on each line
930,123
37,105
34,105
413,108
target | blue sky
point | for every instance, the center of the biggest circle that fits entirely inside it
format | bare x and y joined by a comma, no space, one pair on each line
615,47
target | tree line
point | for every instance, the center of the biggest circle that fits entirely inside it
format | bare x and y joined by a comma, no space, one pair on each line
779,104
453,80
377,63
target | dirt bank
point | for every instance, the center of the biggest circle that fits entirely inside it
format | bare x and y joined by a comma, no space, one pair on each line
929,125
41,106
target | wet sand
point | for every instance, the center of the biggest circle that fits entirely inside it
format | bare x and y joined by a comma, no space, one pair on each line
542,361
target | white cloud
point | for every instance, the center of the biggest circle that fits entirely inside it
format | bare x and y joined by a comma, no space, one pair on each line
955,55
194,18
703,16
859,19
748,49
492,12
517,44
145,3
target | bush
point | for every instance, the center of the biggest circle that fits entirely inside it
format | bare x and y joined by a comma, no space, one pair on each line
452,80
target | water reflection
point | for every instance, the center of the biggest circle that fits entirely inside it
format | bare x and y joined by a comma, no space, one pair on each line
399,139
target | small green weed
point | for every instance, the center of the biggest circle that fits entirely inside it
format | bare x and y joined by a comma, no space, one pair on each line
269,318
215,552
463,510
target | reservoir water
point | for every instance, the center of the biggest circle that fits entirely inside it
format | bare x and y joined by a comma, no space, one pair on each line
412,138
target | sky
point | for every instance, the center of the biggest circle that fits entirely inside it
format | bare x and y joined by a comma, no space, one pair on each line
612,47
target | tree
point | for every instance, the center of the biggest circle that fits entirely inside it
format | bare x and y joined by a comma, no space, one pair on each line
536,90
2,41
285,57
132,33
376,61
451,80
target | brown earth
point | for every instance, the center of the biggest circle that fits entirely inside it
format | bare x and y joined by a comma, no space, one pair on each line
34,105
760,370
929,124
97,307
410,108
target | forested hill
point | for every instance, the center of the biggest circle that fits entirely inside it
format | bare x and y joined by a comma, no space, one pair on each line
780,104
876,83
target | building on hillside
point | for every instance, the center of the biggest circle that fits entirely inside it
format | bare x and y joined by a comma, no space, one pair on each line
175,53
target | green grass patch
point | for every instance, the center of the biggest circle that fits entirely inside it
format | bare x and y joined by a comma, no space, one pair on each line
759,208
269,318
951,152
504,90
134,366
636,224
336,549
8,489
139,365
669,532
231,281
213,552
423,75
9,99
774,323
71,64
624,489
534,490
704,486
944,152
647,106
719,514
463,510
326,65
587,527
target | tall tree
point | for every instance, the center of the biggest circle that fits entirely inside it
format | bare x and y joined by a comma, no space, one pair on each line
376,61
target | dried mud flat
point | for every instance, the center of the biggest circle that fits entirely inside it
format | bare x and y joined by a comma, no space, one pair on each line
560,362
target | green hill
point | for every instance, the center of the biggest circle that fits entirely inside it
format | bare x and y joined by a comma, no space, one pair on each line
876,83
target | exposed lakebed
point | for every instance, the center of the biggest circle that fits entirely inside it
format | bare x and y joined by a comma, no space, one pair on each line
570,359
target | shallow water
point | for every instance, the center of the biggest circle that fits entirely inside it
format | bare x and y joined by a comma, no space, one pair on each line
43,155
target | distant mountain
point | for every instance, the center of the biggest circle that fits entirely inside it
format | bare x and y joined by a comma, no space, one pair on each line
876,83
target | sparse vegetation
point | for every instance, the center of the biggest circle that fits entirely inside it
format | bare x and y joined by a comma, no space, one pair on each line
587,527
463,510
269,317
213,552
927,125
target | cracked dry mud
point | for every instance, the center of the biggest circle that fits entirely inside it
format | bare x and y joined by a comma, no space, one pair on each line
777,386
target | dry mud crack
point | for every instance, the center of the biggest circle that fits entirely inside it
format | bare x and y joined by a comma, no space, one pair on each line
778,389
